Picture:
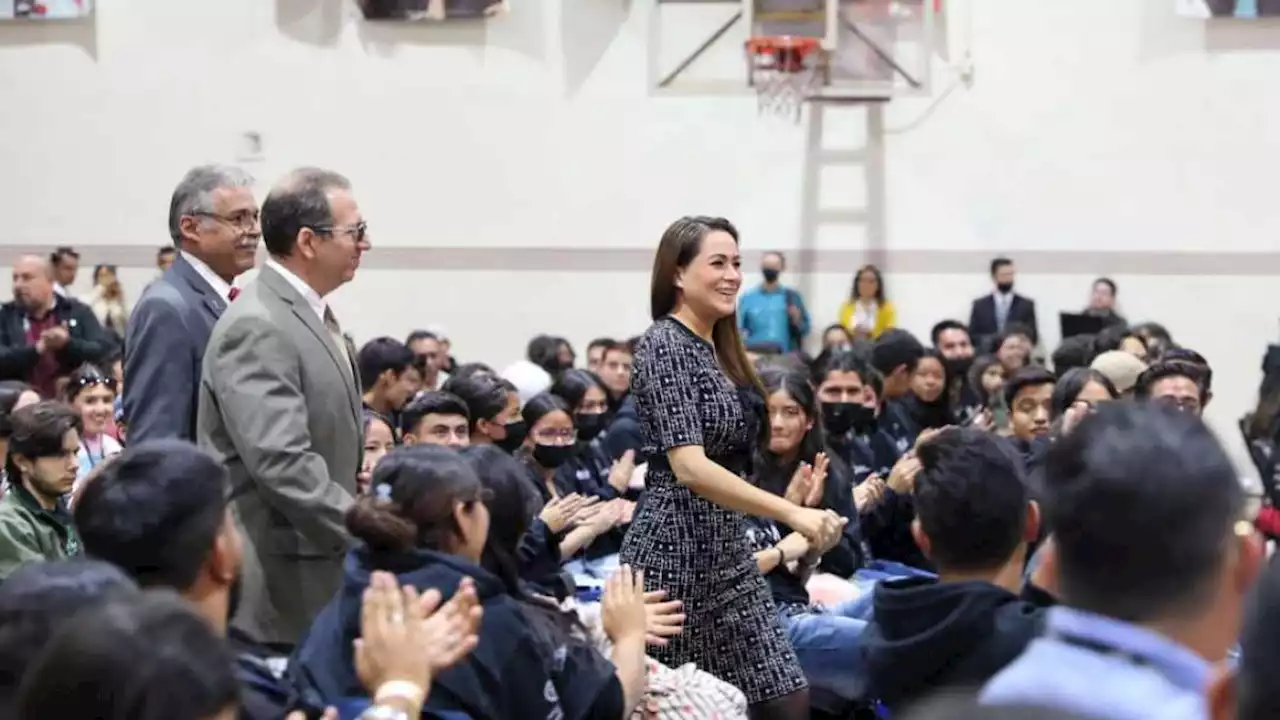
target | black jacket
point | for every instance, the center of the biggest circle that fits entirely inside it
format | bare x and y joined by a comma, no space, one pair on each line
926,635
587,473
512,673
88,341
624,431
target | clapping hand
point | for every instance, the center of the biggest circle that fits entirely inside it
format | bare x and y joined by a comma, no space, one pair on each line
622,607
868,493
409,638
620,473
903,475
558,513
808,482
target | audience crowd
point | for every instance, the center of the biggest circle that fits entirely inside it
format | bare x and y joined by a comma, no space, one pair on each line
216,505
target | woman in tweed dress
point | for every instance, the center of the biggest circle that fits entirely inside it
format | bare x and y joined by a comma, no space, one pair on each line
699,403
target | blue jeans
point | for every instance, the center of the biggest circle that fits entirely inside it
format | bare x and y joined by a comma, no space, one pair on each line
589,572
866,579
827,644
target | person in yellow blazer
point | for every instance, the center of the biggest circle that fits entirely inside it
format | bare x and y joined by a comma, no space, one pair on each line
866,313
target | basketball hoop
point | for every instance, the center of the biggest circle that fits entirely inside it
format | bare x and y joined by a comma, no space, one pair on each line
785,70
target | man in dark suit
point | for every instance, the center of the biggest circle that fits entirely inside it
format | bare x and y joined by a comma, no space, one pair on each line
43,335
280,405
993,314
213,220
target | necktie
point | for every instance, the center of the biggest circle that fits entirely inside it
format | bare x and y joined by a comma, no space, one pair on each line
335,331
233,294
1002,310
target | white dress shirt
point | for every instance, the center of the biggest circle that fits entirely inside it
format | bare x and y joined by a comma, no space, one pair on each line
316,302
220,286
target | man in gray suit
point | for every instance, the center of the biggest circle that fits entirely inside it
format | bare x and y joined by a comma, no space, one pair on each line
213,220
280,405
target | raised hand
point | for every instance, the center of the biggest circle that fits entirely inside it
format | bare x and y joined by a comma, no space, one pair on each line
801,483
817,480
620,473
622,608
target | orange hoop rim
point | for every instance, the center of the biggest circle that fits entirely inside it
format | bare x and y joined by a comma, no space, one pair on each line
773,44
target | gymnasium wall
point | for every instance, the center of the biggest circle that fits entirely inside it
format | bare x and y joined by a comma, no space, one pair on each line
517,175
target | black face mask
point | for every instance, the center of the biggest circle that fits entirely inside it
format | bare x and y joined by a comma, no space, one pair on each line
959,367
589,424
1005,287
865,420
770,275
552,456
838,417
516,432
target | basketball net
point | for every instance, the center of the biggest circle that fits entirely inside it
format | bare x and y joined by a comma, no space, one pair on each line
785,72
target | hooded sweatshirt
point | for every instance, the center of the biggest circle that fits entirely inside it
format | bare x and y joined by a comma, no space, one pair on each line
926,635
512,672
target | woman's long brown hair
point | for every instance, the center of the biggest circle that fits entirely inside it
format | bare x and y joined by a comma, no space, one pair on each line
680,244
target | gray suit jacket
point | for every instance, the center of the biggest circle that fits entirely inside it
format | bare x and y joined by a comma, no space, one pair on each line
280,409
163,350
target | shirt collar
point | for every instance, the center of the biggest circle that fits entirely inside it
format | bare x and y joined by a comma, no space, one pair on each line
59,289
58,514
316,302
1178,664
220,286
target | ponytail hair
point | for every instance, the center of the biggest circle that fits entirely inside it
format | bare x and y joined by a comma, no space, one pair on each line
411,502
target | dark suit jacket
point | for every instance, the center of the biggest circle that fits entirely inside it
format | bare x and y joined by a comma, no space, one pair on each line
983,327
167,334
88,341
281,408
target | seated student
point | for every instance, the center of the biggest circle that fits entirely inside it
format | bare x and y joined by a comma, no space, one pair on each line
120,661
796,450
1028,395
1082,388
436,417
379,439
928,404
388,375
36,601
841,380
34,521
435,525
493,409
623,433
1151,560
159,512
987,377
895,355
1175,383
550,443
974,519
93,395
793,465
588,471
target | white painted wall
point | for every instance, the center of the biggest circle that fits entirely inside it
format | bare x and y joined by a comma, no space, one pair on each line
1093,125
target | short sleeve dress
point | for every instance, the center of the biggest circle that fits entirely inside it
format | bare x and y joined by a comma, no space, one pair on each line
689,546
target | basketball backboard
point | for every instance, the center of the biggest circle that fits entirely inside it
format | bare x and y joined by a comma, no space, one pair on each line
879,49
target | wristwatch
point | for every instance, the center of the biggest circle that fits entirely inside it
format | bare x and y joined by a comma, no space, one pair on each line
384,712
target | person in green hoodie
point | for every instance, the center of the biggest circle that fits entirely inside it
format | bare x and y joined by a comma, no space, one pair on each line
35,524
974,520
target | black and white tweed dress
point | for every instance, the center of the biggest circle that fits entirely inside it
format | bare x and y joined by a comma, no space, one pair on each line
689,546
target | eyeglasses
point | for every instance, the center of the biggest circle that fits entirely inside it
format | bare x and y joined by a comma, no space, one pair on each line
556,437
245,221
358,231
